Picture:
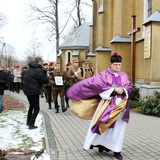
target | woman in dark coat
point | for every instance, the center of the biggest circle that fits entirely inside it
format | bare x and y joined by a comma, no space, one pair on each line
34,77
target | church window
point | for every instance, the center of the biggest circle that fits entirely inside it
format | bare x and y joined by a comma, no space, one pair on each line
68,56
100,10
149,7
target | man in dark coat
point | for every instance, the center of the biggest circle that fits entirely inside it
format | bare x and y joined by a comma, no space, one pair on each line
3,82
34,77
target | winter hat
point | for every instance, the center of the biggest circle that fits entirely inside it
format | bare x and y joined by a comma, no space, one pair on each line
115,58
17,67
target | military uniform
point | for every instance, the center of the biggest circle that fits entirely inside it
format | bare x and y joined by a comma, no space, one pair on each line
58,88
67,84
86,71
74,73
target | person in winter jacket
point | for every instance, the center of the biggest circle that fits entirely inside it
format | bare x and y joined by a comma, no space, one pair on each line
3,82
34,77
17,78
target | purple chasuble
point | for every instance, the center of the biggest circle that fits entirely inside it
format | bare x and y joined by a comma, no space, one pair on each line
112,106
103,81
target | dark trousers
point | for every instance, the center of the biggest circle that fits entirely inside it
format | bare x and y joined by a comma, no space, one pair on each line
11,86
48,94
17,86
33,109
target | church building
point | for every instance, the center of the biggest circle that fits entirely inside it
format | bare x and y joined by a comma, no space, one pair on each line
131,28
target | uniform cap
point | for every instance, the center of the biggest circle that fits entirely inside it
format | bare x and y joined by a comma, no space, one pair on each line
75,60
45,64
85,61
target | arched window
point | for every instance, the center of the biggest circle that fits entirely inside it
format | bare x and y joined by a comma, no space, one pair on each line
68,56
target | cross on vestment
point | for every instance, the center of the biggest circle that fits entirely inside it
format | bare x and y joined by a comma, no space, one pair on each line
133,47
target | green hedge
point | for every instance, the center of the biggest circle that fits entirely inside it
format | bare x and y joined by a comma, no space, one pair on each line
149,105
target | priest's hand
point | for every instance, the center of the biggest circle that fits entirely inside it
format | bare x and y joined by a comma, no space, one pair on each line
119,90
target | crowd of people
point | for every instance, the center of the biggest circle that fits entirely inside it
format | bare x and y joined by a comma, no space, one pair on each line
11,79
15,77
55,84
60,80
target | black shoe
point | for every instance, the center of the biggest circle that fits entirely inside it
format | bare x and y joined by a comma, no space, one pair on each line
100,150
118,155
56,110
1,110
49,107
64,109
32,127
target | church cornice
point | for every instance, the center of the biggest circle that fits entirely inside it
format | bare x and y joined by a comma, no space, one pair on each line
103,49
155,17
119,39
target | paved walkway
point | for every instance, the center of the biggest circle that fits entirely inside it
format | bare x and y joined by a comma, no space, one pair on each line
65,134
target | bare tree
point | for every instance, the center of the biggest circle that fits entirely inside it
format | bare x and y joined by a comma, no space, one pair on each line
33,50
3,20
77,14
8,55
78,5
47,15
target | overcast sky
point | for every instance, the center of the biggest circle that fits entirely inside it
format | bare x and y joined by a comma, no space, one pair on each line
18,33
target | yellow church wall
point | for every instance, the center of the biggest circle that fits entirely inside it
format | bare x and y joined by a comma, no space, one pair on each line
101,30
102,61
117,18
139,59
63,62
155,5
95,26
122,12
92,62
127,11
155,50
147,66
91,38
139,12
82,55
107,23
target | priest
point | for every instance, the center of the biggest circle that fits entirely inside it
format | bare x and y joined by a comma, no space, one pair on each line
107,128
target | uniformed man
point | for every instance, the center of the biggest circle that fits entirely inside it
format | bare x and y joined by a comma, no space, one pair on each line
58,79
74,72
47,88
86,70
67,84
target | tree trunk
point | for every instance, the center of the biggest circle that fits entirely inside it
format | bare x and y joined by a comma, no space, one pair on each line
57,28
